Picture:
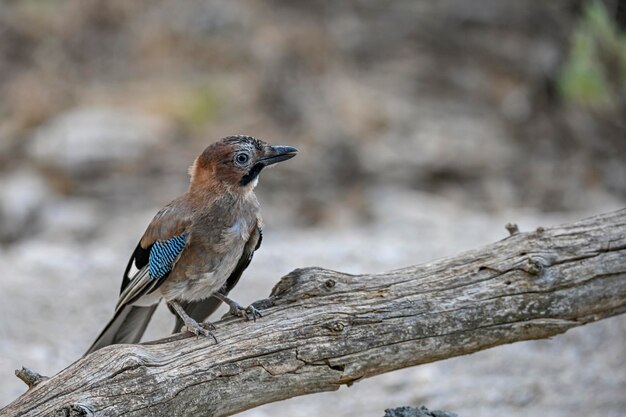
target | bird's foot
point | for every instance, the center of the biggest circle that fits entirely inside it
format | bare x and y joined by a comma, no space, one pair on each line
204,329
248,313
208,325
237,310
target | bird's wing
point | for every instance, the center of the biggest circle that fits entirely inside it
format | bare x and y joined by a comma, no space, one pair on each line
151,262
156,254
252,245
200,310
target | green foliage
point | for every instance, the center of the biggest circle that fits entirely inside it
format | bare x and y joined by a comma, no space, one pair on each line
201,107
193,106
595,72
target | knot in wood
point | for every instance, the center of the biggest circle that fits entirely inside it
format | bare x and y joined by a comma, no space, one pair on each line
131,362
512,228
74,410
30,377
329,283
534,265
336,326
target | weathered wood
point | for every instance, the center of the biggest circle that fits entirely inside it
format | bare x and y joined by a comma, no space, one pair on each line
30,377
416,412
322,329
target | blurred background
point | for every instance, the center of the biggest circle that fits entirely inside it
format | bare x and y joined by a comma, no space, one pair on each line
423,128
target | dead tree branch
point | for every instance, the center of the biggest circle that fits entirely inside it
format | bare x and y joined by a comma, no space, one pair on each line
322,329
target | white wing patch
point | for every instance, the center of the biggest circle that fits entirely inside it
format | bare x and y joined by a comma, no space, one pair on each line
132,271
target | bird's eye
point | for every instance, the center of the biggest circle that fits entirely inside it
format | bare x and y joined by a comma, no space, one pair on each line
242,158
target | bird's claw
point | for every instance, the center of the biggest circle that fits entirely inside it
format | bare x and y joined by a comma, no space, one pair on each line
252,313
204,329
208,325
248,313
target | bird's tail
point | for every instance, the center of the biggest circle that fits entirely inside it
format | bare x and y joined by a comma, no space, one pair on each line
127,326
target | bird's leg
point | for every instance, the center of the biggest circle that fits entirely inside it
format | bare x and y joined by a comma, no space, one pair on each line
191,325
237,310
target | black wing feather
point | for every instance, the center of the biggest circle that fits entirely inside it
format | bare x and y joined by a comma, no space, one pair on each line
140,258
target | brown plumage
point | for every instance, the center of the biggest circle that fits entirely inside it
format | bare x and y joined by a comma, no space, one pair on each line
196,248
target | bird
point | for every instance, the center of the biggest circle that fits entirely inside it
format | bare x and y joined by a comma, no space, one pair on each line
196,248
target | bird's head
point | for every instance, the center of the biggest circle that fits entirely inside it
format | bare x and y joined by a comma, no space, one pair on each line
235,162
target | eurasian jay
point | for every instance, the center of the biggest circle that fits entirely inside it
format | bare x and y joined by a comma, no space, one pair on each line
196,247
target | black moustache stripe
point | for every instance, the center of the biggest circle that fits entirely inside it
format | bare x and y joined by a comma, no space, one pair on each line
252,174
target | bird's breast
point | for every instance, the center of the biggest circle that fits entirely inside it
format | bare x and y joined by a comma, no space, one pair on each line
202,284
206,264
235,236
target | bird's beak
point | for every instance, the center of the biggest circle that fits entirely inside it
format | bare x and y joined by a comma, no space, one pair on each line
278,154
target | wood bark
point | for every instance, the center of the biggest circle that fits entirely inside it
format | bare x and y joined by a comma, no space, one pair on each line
322,329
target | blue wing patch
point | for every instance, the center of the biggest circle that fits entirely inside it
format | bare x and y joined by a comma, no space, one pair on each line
164,254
